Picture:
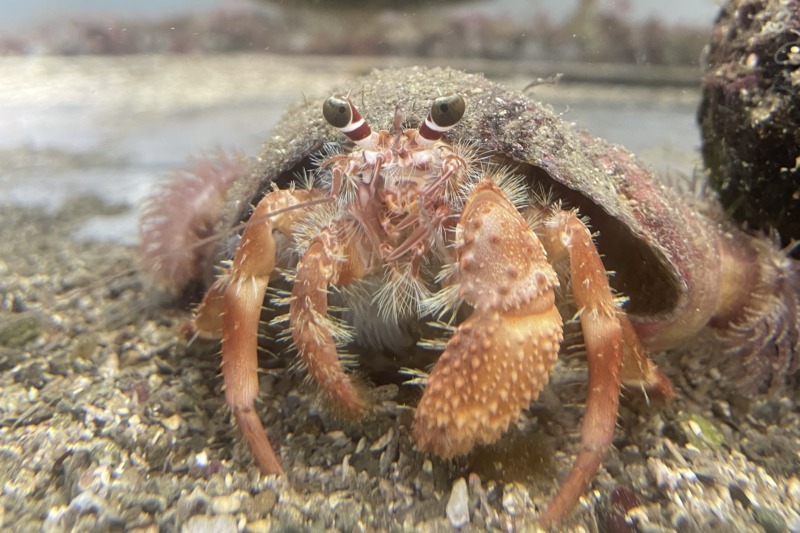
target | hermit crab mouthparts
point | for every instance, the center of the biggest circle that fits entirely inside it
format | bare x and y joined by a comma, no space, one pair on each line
445,112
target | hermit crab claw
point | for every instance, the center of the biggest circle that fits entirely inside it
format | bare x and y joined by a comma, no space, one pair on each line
500,357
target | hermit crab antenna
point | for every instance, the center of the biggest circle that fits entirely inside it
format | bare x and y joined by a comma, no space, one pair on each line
343,115
445,113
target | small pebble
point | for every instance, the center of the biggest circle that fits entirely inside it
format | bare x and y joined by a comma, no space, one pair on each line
362,443
793,489
95,480
143,529
691,451
346,468
458,505
210,524
263,525
201,459
383,441
427,466
620,502
771,521
516,498
172,423
738,495
227,504
153,504
87,502
195,502
338,438
264,501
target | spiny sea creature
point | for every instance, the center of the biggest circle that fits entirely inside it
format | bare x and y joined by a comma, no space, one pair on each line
455,215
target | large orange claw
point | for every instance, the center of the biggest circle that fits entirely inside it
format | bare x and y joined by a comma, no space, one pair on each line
501,356
499,359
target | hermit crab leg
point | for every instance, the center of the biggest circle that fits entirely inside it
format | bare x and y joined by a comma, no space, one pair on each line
603,333
638,370
452,164
242,295
501,356
327,261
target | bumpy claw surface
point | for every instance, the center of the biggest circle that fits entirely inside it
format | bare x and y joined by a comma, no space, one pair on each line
501,356
499,359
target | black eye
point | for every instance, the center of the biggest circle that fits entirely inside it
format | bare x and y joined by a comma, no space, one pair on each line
447,110
336,111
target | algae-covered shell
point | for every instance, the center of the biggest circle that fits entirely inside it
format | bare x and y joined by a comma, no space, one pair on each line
664,255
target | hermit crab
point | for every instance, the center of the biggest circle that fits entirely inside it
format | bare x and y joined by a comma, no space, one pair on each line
471,208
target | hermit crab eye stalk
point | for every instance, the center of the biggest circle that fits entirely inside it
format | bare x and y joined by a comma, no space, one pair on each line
445,113
343,115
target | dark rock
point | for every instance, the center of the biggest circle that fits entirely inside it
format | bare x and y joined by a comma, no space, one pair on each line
750,114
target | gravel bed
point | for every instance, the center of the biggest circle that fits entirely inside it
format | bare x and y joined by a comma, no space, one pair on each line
111,420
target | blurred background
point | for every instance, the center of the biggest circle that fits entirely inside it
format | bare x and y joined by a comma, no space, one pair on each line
100,98
620,31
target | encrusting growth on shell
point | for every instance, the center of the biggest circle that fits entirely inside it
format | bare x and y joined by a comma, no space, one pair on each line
178,220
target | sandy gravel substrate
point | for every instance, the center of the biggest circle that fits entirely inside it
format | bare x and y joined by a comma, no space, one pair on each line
110,420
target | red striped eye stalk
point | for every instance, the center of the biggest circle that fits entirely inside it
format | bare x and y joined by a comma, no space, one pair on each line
455,216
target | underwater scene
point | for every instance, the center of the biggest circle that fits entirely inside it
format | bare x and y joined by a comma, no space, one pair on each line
400,266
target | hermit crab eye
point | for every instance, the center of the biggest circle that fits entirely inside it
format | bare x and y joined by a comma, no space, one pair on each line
337,112
446,111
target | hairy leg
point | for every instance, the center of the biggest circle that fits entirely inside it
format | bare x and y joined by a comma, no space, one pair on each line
564,234
232,307
329,260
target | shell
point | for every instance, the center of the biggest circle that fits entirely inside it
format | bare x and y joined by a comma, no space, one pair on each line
681,266
658,247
